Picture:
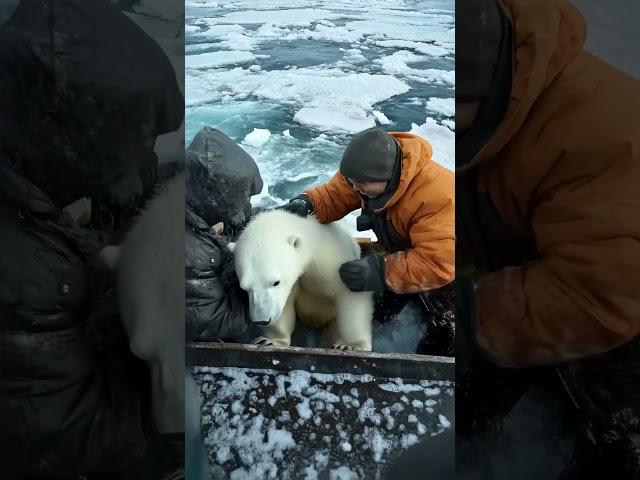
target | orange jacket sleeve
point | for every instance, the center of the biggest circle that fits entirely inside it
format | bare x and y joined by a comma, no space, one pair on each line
430,262
581,298
334,199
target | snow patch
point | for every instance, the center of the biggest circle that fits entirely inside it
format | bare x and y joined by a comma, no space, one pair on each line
368,412
408,440
303,409
444,421
343,473
396,385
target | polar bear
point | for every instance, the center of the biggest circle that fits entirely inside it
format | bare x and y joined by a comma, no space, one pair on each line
149,268
289,267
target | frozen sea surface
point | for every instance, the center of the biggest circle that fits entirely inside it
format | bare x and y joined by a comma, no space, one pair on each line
309,74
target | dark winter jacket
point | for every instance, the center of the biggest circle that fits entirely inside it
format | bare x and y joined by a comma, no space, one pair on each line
215,303
80,109
67,414
221,178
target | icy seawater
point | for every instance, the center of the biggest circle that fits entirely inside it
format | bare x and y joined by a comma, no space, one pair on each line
292,81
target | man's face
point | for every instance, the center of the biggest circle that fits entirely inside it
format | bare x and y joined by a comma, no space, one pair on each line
369,189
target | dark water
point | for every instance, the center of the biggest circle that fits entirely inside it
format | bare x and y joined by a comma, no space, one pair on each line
300,53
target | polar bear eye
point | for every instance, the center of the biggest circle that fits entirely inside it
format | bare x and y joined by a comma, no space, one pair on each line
275,284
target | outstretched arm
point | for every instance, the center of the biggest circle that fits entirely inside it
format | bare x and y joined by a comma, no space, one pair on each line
334,199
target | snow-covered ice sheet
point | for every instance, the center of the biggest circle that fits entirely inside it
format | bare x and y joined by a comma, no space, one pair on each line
261,424
209,60
304,87
442,106
329,119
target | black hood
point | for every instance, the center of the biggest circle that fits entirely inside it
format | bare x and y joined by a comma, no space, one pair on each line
36,206
84,94
221,178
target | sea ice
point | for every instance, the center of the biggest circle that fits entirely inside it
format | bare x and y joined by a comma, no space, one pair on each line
258,137
381,117
329,119
441,138
204,61
296,17
443,106
420,47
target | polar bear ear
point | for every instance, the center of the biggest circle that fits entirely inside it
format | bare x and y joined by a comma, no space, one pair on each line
294,241
231,247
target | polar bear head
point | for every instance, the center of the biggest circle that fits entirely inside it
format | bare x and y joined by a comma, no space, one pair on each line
270,255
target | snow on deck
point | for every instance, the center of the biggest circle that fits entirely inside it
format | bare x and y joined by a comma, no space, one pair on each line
264,424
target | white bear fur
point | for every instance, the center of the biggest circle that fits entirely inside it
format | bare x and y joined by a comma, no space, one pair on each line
304,257
149,267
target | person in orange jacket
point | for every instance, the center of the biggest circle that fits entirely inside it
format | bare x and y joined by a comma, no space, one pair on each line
547,166
407,199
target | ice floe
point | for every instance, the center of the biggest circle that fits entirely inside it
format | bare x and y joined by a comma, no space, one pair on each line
443,106
258,137
209,60
329,119
441,138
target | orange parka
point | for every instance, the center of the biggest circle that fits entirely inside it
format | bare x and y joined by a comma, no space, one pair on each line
564,167
421,210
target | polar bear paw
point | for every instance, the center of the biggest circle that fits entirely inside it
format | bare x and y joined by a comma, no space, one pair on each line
262,341
341,346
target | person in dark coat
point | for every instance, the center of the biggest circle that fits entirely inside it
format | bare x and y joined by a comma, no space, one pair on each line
73,397
221,178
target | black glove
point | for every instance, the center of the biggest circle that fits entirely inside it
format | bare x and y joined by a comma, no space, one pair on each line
300,205
365,274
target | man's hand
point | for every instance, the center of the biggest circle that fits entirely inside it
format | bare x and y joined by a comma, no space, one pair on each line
365,274
300,205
